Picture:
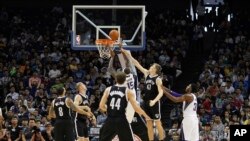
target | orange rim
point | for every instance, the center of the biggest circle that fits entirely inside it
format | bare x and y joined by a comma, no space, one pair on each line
104,42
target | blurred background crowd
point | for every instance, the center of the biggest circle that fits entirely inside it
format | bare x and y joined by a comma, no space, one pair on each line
36,58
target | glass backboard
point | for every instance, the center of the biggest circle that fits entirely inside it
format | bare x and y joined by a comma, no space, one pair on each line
91,22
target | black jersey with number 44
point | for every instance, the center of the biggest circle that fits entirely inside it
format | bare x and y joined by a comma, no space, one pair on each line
61,109
117,101
151,89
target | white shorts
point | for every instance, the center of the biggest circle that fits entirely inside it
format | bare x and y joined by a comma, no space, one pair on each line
130,112
190,129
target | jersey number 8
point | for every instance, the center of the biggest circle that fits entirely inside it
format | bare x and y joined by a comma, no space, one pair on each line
60,111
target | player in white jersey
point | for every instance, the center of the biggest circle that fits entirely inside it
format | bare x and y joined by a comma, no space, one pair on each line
131,81
190,122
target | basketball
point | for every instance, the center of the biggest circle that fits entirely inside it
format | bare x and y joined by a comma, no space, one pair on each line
114,34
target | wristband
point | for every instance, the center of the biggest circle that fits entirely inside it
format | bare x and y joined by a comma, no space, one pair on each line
175,94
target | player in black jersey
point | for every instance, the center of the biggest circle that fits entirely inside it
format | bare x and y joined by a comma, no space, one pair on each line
114,101
61,110
153,94
81,99
131,80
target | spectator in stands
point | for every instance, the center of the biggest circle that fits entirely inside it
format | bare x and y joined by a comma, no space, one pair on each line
229,88
14,95
9,102
206,134
48,133
4,135
24,113
34,83
175,130
207,105
54,72
15,130
226,135
218,126
101,118
31,124
36,134
226,118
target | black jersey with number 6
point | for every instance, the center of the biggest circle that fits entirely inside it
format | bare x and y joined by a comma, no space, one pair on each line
61,109
117,101
151,90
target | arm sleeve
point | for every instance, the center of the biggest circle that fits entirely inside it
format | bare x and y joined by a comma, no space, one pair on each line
175,94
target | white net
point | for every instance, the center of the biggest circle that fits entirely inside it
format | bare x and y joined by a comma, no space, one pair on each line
105,46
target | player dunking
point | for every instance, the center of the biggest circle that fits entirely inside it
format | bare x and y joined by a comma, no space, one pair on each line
80,121
114,101
61,111
190,122
153,94
131,81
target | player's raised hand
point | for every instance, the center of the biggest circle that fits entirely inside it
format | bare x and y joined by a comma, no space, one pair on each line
93,121
120,44
152,103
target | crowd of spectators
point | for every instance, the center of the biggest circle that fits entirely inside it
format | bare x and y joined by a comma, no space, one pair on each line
223,85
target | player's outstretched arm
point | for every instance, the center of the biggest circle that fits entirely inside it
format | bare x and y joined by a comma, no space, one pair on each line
102,104
173,98
173,93
74,107
135,62
136,107
184,97
111,69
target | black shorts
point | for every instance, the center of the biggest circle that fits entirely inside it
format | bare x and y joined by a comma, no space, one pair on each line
81,128
153,112
64,130
116,126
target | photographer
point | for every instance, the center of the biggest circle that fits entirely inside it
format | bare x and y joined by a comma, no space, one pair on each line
174,132
36,134
16,132
4,134
48,132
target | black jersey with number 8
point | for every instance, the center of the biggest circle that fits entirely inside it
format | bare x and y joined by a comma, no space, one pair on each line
61,109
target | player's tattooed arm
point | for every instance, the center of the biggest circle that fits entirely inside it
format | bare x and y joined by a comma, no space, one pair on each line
51,111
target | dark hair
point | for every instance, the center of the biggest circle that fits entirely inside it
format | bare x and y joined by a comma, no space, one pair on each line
35,129
60,91
14,117
24,107
194,87
120,77
158,68
127,70
32,119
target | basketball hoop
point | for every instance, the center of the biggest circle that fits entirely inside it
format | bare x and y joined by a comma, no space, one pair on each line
104,47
